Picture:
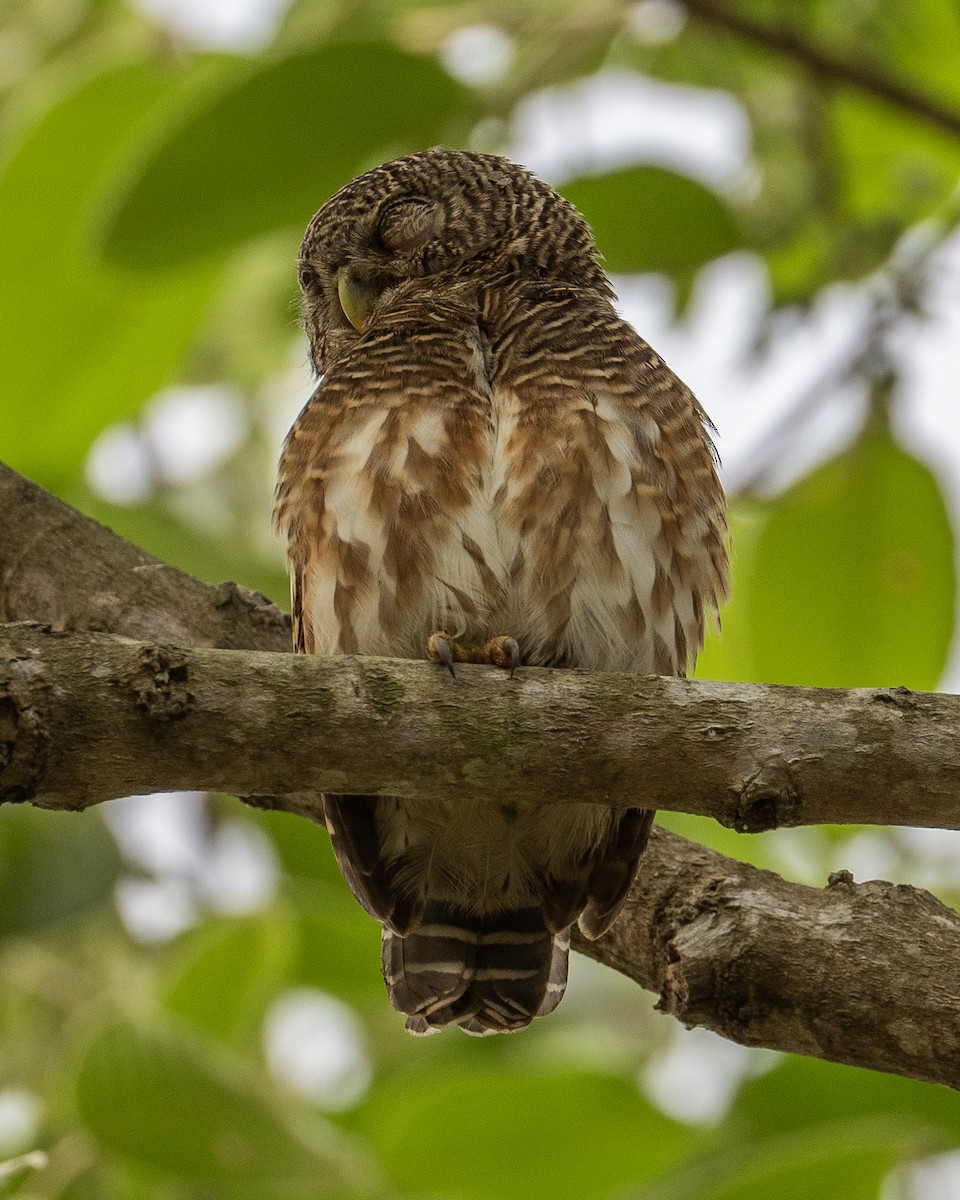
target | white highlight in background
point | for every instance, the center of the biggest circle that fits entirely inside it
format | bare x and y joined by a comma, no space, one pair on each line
192,430
656,22
118,465
240,873
936,1178
696,1079
218,24
477,54
163,832
19,1120
618,118
184,434
155,910
230,867
314,1044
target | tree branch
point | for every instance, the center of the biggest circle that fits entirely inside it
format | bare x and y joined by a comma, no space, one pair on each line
825,66
91,717
67,571
865,975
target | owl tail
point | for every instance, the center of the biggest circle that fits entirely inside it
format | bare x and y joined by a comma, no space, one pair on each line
490,974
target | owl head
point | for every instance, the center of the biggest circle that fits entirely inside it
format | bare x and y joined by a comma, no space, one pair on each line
440,221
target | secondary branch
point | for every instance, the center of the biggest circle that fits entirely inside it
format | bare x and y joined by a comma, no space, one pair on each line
60,567
822,65
864,973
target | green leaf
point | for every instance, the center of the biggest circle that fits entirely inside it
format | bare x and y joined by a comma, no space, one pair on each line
800,264
897,169
227,971
921,40
650,219
339,944
805,1091
81,345
54,867
807,1121
855,1155
268,150
494,1134
854,582
168,1102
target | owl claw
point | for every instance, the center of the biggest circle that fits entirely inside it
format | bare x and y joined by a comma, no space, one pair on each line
440,647
503,652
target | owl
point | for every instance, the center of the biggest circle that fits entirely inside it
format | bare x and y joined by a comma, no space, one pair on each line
493,468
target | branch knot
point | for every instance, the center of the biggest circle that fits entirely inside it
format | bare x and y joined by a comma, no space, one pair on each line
768,798
159,682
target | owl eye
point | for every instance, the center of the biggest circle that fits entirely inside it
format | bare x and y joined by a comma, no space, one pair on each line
357,297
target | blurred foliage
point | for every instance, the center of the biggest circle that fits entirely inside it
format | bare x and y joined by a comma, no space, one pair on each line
152,194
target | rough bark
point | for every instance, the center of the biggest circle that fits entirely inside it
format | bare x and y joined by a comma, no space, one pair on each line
61,568
866,973
863,974
91,716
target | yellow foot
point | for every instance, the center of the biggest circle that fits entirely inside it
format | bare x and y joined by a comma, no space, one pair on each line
501,651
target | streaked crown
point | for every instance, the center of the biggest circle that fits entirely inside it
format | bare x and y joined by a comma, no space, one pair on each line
451,217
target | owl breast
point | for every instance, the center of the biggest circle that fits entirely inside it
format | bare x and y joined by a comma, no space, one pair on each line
535,494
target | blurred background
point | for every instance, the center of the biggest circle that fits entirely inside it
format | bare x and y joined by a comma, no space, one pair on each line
190,1000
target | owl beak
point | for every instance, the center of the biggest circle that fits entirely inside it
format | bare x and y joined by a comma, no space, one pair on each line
356,298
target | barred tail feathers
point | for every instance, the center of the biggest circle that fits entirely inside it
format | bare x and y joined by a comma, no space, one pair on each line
487,975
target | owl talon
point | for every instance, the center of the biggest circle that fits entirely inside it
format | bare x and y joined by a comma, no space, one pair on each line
440,647
503,652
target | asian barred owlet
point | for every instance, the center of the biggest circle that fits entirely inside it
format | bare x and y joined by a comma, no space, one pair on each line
493,467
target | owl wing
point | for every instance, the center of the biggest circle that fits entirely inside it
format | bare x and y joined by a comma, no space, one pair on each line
670,434
612,869
351,823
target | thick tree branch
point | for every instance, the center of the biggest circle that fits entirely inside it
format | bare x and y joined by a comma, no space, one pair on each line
90,717
824,66
60,568
866,975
